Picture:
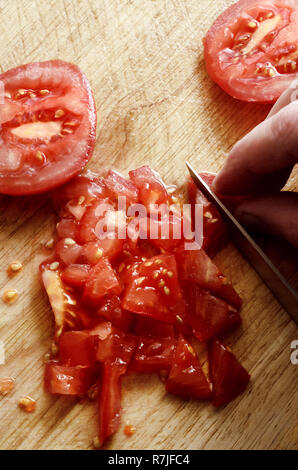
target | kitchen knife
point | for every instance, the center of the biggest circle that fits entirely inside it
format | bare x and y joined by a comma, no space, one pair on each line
285,294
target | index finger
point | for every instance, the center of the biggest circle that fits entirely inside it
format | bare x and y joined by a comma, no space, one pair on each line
262,161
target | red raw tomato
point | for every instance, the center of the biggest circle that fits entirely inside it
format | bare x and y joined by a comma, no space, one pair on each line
196,266
108,247
251,49
165,233
156,292
77,348
48,124
227,375
102,281
145,326
67,228
153,354
120,186
110,400
214,229
207,315
117,347
111,310
82,189
68,380
151,187
68,251
186,378
76,275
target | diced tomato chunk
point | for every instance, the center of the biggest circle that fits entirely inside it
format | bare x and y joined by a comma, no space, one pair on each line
156,292
68,251
145,326
77,348
196,266
76,274
67,228
102,281
121,186
153,354
112,311
207,315
68,380
110,400
228,376
117,347
186,377
151,187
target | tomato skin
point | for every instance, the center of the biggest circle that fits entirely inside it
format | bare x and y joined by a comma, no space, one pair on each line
30,177
227,375
241,80
186,378
68,380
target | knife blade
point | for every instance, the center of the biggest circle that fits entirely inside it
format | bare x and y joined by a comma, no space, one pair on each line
279,286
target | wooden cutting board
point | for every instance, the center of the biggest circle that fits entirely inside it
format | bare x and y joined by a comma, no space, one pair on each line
156,105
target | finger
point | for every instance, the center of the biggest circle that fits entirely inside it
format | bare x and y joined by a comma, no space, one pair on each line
275,213
288,96
263,159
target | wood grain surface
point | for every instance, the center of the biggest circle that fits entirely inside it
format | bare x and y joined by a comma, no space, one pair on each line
156,104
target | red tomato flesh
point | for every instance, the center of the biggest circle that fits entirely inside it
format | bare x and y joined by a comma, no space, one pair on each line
48,125
120,304
251,49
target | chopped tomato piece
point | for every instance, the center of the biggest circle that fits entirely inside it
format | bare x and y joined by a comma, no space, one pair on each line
112,311
67,228
110,400
121,186
145,326
77,348
76,275
151,187
117,346
227,375
156,292
102,281
153,354
196,266
48,124
68,251
207,315
215,233
186,377
68,380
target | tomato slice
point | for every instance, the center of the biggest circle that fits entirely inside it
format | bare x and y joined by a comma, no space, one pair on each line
68,380
102,281
186,378
48,125
207,315
251,49
196,266
227,375
156,292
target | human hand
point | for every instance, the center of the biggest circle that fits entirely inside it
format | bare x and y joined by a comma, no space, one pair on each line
258,167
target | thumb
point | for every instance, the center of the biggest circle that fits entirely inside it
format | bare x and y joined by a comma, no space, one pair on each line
276,213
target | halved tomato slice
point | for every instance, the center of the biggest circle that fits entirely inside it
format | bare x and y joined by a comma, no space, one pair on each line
251,49
48,124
